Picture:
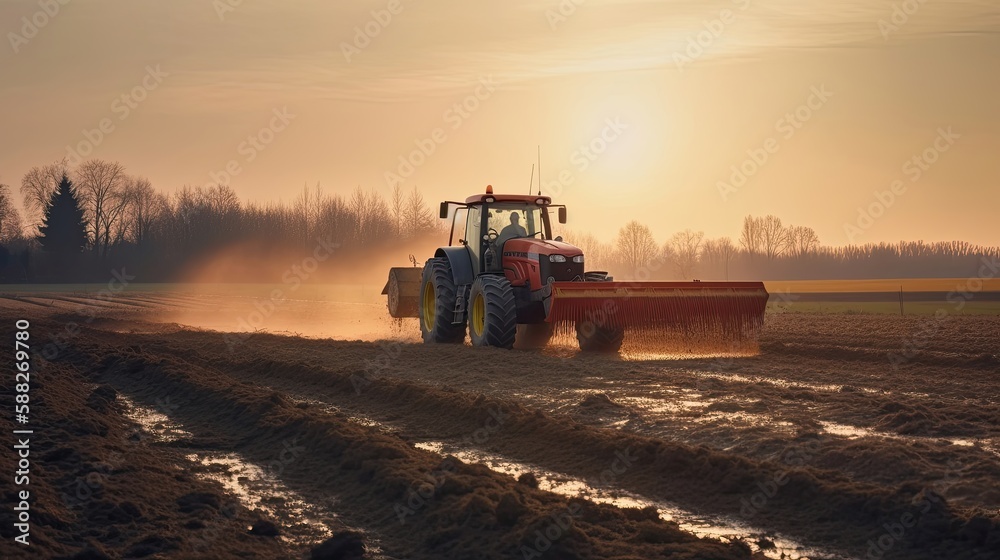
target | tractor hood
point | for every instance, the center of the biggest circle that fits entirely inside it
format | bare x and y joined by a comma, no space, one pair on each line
541,247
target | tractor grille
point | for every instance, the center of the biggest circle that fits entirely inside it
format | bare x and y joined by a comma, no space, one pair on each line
562,272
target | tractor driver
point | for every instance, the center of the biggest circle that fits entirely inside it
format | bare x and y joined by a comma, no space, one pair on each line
511,231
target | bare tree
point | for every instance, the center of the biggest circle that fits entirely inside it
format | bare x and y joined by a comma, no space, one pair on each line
335,220
359,208
685,248
397,203
101,184
10,218
143,207
720,251
417,215
184,209
308,207
773,236
802,240
221,200
596,254
750,236
373,219
37,187
635,246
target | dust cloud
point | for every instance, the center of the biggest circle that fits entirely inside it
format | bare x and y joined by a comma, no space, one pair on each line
322,291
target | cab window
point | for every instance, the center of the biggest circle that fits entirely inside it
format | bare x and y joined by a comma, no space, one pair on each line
473,231
529,218
458,234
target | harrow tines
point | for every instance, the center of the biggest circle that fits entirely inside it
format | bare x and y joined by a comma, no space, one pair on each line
665,316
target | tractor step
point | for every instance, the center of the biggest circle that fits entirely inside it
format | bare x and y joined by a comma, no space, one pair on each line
461,303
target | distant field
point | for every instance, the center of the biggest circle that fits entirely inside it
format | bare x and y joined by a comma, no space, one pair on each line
319,292
776,305
921,295
882,285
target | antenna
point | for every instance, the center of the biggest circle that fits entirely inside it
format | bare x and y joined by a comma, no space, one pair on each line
532,182
539,170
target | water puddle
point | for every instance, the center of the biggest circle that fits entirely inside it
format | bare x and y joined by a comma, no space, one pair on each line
856,432
256,487
154,424
689,405
757,379
354,417
649,404
671,400
259,490
686,353
743,419
727,530
844,430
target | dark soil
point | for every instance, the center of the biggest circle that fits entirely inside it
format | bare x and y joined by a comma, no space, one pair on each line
845,433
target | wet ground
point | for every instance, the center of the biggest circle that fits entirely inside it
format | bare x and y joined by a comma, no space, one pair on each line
846,436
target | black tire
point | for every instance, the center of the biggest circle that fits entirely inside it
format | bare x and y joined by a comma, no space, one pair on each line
532,336
438,282
596,338
495,322
597,276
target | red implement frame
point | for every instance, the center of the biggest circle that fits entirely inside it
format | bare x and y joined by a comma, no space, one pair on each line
727,306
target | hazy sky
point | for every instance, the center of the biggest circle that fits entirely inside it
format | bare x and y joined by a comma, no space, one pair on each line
671,97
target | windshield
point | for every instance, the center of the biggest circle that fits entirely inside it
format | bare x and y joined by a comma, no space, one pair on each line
528,221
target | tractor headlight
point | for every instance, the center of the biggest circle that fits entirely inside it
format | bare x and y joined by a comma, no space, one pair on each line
557,258
578,259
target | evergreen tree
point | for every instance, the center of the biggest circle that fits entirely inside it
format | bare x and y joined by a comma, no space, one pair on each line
64,229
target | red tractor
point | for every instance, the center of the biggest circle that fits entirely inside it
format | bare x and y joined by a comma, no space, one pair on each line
506,279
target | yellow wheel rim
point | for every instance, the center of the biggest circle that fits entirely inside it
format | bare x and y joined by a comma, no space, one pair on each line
429,306
478,319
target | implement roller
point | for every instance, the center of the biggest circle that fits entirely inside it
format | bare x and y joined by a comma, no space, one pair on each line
506,280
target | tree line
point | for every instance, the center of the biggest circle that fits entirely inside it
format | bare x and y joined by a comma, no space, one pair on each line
158,237
78,223
768,249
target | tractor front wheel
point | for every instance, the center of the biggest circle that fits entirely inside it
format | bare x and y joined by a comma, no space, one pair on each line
492,312
437,304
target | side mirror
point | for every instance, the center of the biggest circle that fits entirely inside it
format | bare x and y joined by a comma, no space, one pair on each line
443,213
562,215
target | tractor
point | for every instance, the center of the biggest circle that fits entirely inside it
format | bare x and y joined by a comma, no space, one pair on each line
505,279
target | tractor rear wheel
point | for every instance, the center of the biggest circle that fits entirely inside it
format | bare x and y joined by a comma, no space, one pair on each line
437,304
492,312
599,338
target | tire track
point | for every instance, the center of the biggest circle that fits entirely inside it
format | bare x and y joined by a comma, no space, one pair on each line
471,511
822,508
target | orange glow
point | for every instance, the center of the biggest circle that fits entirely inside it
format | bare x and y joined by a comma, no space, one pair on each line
652,111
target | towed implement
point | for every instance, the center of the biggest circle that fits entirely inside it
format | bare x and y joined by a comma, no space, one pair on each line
506,280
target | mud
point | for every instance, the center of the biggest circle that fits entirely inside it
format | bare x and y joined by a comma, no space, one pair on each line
767,545
102,487
821,446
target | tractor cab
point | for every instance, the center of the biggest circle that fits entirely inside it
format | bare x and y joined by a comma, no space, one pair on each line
485,224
